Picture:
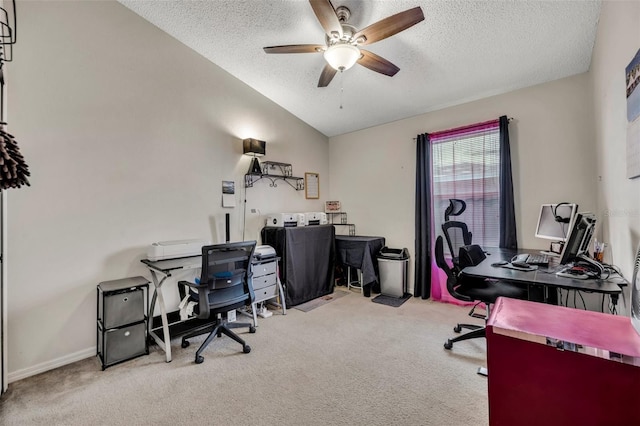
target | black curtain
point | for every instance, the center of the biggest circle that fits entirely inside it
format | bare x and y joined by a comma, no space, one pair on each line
422,287
508,238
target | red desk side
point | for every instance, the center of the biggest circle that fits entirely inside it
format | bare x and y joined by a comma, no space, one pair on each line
558,366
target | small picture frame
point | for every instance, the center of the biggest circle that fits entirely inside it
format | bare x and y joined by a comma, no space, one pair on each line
332,207
312,185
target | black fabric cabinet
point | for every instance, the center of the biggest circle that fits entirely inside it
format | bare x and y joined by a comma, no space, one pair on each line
122,320
307,258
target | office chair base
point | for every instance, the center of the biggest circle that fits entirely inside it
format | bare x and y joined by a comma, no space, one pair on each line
200,359
458,328
480,332
217,330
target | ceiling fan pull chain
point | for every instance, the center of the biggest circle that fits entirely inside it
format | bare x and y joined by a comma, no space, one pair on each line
341,87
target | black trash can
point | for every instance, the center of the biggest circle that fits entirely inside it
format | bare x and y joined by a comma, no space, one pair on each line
393,267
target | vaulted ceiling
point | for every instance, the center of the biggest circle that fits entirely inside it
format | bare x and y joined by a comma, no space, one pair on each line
462,51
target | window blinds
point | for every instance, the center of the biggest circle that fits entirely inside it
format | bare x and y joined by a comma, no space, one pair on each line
466,165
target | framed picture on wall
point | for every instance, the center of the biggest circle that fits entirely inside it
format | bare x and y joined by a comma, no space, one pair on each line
311,185
633,117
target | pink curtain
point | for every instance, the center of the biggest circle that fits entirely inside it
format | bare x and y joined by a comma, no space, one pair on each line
465,165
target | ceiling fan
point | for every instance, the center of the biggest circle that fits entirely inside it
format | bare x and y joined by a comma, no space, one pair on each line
342,49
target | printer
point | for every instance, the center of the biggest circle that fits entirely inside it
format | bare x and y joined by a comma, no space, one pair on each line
175,249
282,219
315,218
264,252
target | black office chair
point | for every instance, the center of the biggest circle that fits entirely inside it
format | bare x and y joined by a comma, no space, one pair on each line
457,233
224,285
473,290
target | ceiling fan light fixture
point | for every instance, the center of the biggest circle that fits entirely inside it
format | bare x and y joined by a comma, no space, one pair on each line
342,56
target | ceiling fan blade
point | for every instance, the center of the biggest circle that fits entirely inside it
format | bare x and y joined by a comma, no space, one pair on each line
326,14
389,26
328,72
296,48
377,63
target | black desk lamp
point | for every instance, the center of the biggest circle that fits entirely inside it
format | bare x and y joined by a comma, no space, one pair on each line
257,149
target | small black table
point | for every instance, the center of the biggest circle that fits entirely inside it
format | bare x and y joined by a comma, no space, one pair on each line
361,252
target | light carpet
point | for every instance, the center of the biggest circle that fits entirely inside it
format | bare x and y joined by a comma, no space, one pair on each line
351,362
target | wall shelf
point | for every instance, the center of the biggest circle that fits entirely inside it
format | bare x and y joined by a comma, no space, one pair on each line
273,168
284,169
352,227
340,219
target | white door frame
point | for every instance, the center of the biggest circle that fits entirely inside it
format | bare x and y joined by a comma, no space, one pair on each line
4,363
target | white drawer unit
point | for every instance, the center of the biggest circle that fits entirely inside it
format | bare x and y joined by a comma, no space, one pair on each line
266,285
265,268
265,293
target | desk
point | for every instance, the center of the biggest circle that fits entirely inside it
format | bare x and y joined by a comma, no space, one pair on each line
543,276
552,365
360,252
307,257
164,268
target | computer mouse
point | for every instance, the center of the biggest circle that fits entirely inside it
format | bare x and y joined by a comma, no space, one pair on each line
500,263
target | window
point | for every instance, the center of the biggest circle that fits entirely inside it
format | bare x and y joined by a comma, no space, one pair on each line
466,165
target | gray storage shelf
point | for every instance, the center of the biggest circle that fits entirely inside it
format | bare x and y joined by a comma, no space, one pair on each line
122,320
332,217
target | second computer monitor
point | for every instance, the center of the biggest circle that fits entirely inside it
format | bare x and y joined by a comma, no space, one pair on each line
577,245
556,220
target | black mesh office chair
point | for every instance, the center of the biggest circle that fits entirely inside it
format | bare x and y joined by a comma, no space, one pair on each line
457,235
480,291
455,208
456,232
224,285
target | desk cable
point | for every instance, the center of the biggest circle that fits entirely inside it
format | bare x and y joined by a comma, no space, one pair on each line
575,293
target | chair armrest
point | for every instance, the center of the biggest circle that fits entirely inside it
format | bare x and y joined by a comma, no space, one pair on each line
252,295
203,297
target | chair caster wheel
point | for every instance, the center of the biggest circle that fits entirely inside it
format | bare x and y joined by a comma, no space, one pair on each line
457,328
246,349
199,359
252,329
448,344
185,344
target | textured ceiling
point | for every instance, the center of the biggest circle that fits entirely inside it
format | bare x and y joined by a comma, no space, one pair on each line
462,51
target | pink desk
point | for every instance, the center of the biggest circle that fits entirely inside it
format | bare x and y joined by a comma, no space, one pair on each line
551,365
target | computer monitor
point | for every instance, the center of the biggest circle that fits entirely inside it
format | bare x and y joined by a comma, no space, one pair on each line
555,221
576,246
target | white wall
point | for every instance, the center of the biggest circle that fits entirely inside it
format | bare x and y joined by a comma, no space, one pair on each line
552,147
618,40
128,135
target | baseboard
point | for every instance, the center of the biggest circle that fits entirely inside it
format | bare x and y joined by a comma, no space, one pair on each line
14,376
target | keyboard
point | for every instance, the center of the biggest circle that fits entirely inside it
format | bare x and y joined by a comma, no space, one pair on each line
531,259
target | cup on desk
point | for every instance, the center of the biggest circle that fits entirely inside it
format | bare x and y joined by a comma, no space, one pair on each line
598,251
